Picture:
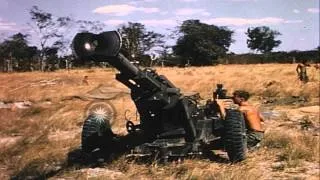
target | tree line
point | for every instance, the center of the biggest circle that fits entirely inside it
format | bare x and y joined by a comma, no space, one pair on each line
197,44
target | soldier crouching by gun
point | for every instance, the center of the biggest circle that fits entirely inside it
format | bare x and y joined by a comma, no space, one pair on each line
252,116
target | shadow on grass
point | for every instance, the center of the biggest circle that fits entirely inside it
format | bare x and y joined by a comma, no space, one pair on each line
35,170
77,159
38,169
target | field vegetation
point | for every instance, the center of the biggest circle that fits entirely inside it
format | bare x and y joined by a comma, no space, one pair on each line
34,142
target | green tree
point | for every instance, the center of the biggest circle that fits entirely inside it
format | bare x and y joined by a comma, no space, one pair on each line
262,39
16,54
90,26
49,29
52,58
137,41
202,44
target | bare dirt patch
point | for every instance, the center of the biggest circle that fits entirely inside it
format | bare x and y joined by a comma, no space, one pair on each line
7,141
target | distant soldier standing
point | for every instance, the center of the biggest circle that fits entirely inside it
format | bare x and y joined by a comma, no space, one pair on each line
85,80
302,71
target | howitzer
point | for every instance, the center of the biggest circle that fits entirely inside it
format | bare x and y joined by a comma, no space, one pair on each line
172,125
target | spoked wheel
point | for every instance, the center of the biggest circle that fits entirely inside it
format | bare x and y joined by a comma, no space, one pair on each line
235,135
93,132
96,131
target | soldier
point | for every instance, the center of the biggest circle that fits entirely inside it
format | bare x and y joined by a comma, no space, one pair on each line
317,66
302,71
85,80
252,117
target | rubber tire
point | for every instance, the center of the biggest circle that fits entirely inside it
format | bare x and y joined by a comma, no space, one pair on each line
235,135
93,132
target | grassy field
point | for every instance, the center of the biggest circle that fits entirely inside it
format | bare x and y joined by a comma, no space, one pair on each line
34,142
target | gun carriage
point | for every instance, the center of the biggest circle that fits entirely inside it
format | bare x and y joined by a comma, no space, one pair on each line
172,125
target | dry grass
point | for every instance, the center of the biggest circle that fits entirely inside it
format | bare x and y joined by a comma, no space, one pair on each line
47,132
293,149
267,79
188,170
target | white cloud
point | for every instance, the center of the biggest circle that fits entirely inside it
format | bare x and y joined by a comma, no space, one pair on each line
148,10
249,21
205,14
157,22
296,11
227,21
242,0
150,22
313,10
191,11
8,26
141,1
164,12
241,30
123,9
114,22
293,21
189,0
134,2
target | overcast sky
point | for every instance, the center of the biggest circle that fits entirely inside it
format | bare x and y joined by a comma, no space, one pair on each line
297,20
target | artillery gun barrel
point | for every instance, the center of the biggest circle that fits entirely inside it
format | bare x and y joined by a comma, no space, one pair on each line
121,63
